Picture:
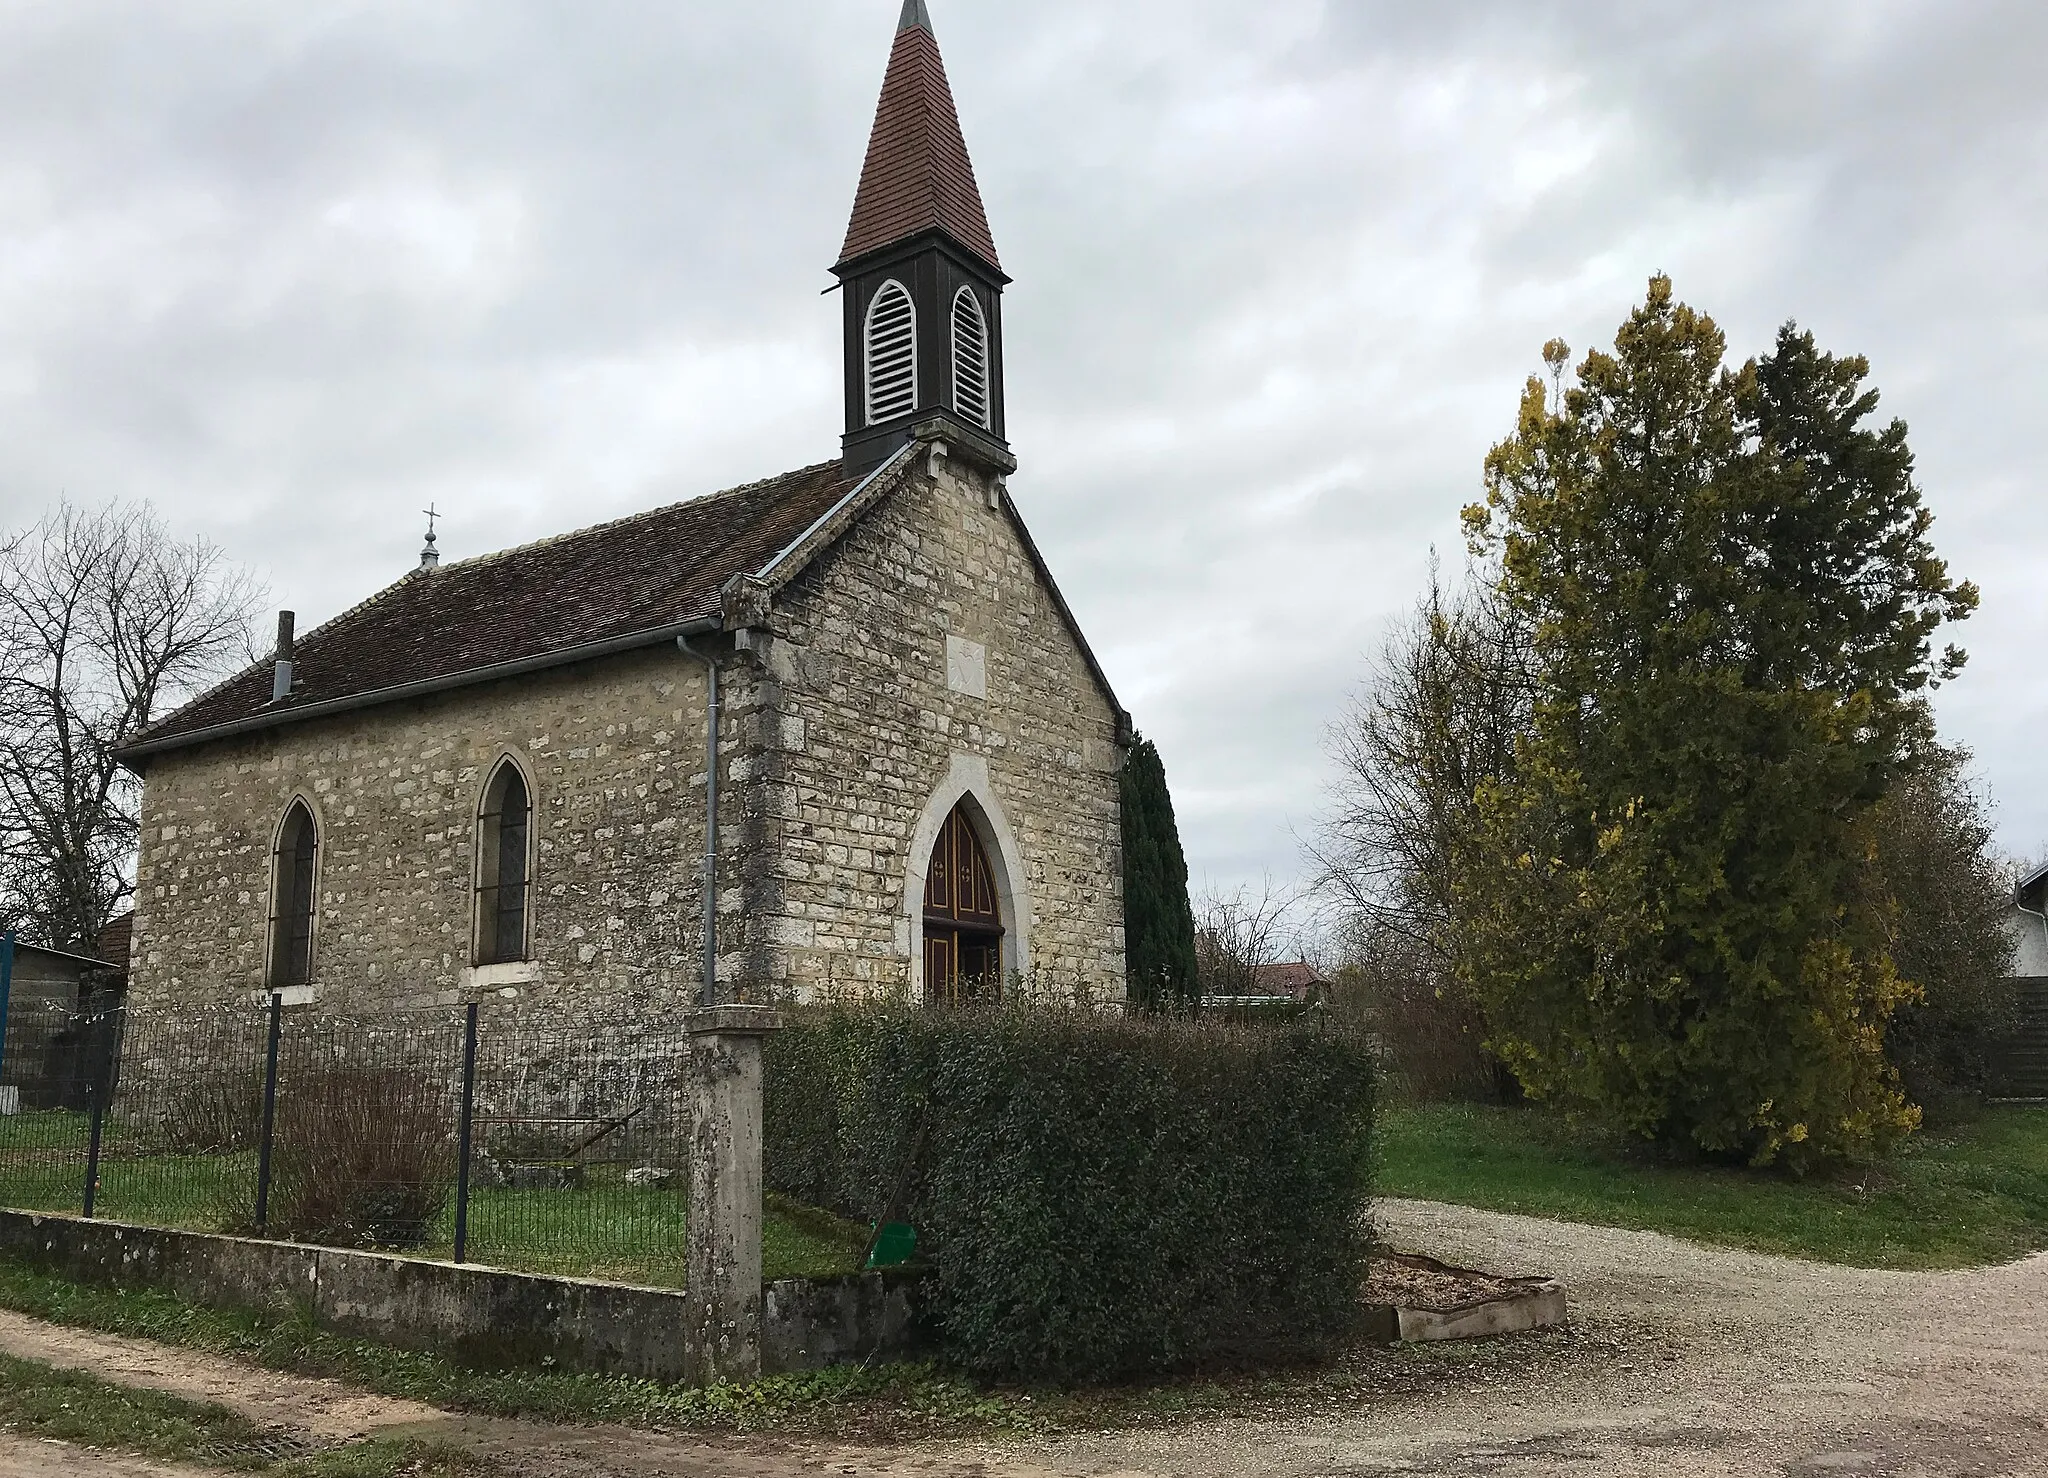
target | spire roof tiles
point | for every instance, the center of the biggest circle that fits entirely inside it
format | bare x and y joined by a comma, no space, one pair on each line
917,177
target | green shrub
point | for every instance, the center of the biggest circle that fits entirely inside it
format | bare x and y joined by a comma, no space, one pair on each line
1098,1196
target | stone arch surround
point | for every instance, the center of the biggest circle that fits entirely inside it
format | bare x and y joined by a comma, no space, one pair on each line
967,779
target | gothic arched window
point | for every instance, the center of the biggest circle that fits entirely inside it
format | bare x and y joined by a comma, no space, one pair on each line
970,358
963,925
889,354
294,867
502,834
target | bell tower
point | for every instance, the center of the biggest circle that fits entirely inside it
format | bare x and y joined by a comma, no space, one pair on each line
923,289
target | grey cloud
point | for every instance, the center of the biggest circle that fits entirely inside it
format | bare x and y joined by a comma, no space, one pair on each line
293,271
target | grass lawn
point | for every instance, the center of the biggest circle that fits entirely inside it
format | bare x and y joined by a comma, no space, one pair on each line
604,1229
47,1404
1954,1197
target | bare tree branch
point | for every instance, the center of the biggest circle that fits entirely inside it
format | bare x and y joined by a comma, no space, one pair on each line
1444,702
1239,931
106,623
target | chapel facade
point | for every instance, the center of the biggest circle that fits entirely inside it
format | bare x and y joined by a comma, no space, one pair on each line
499,777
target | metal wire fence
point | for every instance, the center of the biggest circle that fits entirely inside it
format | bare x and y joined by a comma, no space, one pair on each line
473,1134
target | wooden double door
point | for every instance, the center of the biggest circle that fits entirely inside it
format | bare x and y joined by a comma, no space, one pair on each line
963,924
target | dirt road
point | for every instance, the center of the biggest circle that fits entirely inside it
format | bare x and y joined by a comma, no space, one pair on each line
1690,1361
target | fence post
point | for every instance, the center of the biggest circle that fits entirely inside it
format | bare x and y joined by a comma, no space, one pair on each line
92,1148
269,1113
464,1132
722,1255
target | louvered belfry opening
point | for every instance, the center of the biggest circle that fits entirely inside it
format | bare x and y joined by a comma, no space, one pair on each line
963,923
889,354
294,872
970,358
923,286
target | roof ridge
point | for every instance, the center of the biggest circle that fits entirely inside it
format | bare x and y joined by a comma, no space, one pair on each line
442,573
566,535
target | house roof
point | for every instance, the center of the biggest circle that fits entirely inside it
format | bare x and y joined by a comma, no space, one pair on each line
2034,886
114,942
918,177
69,956
618,583
1291,979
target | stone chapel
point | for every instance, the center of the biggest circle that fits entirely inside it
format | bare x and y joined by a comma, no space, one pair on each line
831,732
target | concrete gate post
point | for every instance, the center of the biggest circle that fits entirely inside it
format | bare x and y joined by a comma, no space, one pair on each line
722,1302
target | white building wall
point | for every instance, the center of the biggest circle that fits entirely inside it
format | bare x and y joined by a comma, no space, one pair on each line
2031,934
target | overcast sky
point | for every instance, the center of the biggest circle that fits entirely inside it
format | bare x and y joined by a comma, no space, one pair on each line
292,270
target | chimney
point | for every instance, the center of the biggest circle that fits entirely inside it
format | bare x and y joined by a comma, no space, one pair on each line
281,678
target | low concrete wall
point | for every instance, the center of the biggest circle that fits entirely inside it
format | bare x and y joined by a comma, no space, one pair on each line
479,1315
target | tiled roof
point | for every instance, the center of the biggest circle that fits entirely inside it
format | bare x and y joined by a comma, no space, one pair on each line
1297,979
112,945
918,176
610,582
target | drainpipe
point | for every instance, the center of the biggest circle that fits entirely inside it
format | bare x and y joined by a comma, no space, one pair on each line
708,991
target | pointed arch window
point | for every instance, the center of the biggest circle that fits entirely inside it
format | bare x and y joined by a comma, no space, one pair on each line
294,878
503,835
889,354
970,359
963,925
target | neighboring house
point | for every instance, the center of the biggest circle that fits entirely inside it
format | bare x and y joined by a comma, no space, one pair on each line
2030,925
1298,981
2025,1067
1290,987
490,777
54,980
56,1030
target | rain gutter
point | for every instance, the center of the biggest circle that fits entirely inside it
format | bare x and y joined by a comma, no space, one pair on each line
298,713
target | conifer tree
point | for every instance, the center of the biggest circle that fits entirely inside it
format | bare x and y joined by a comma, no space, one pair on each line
1159,922
1732,597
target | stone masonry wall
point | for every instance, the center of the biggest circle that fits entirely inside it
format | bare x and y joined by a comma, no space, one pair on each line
920,647
614,755
863,709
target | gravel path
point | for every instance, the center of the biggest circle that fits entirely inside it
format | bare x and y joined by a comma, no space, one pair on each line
1684,1360
1698,1361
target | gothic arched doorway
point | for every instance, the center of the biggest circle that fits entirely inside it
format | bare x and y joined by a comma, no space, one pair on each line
963,925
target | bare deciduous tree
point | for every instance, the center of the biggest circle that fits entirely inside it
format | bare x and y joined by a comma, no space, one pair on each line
106,622
1237,932
1443,703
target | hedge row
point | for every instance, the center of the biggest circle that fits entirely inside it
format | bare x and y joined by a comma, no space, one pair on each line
1097,1195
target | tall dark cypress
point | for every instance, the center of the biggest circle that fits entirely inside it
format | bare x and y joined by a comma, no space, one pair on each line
1159,924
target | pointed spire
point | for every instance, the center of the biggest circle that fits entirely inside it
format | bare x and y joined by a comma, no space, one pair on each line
918,176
